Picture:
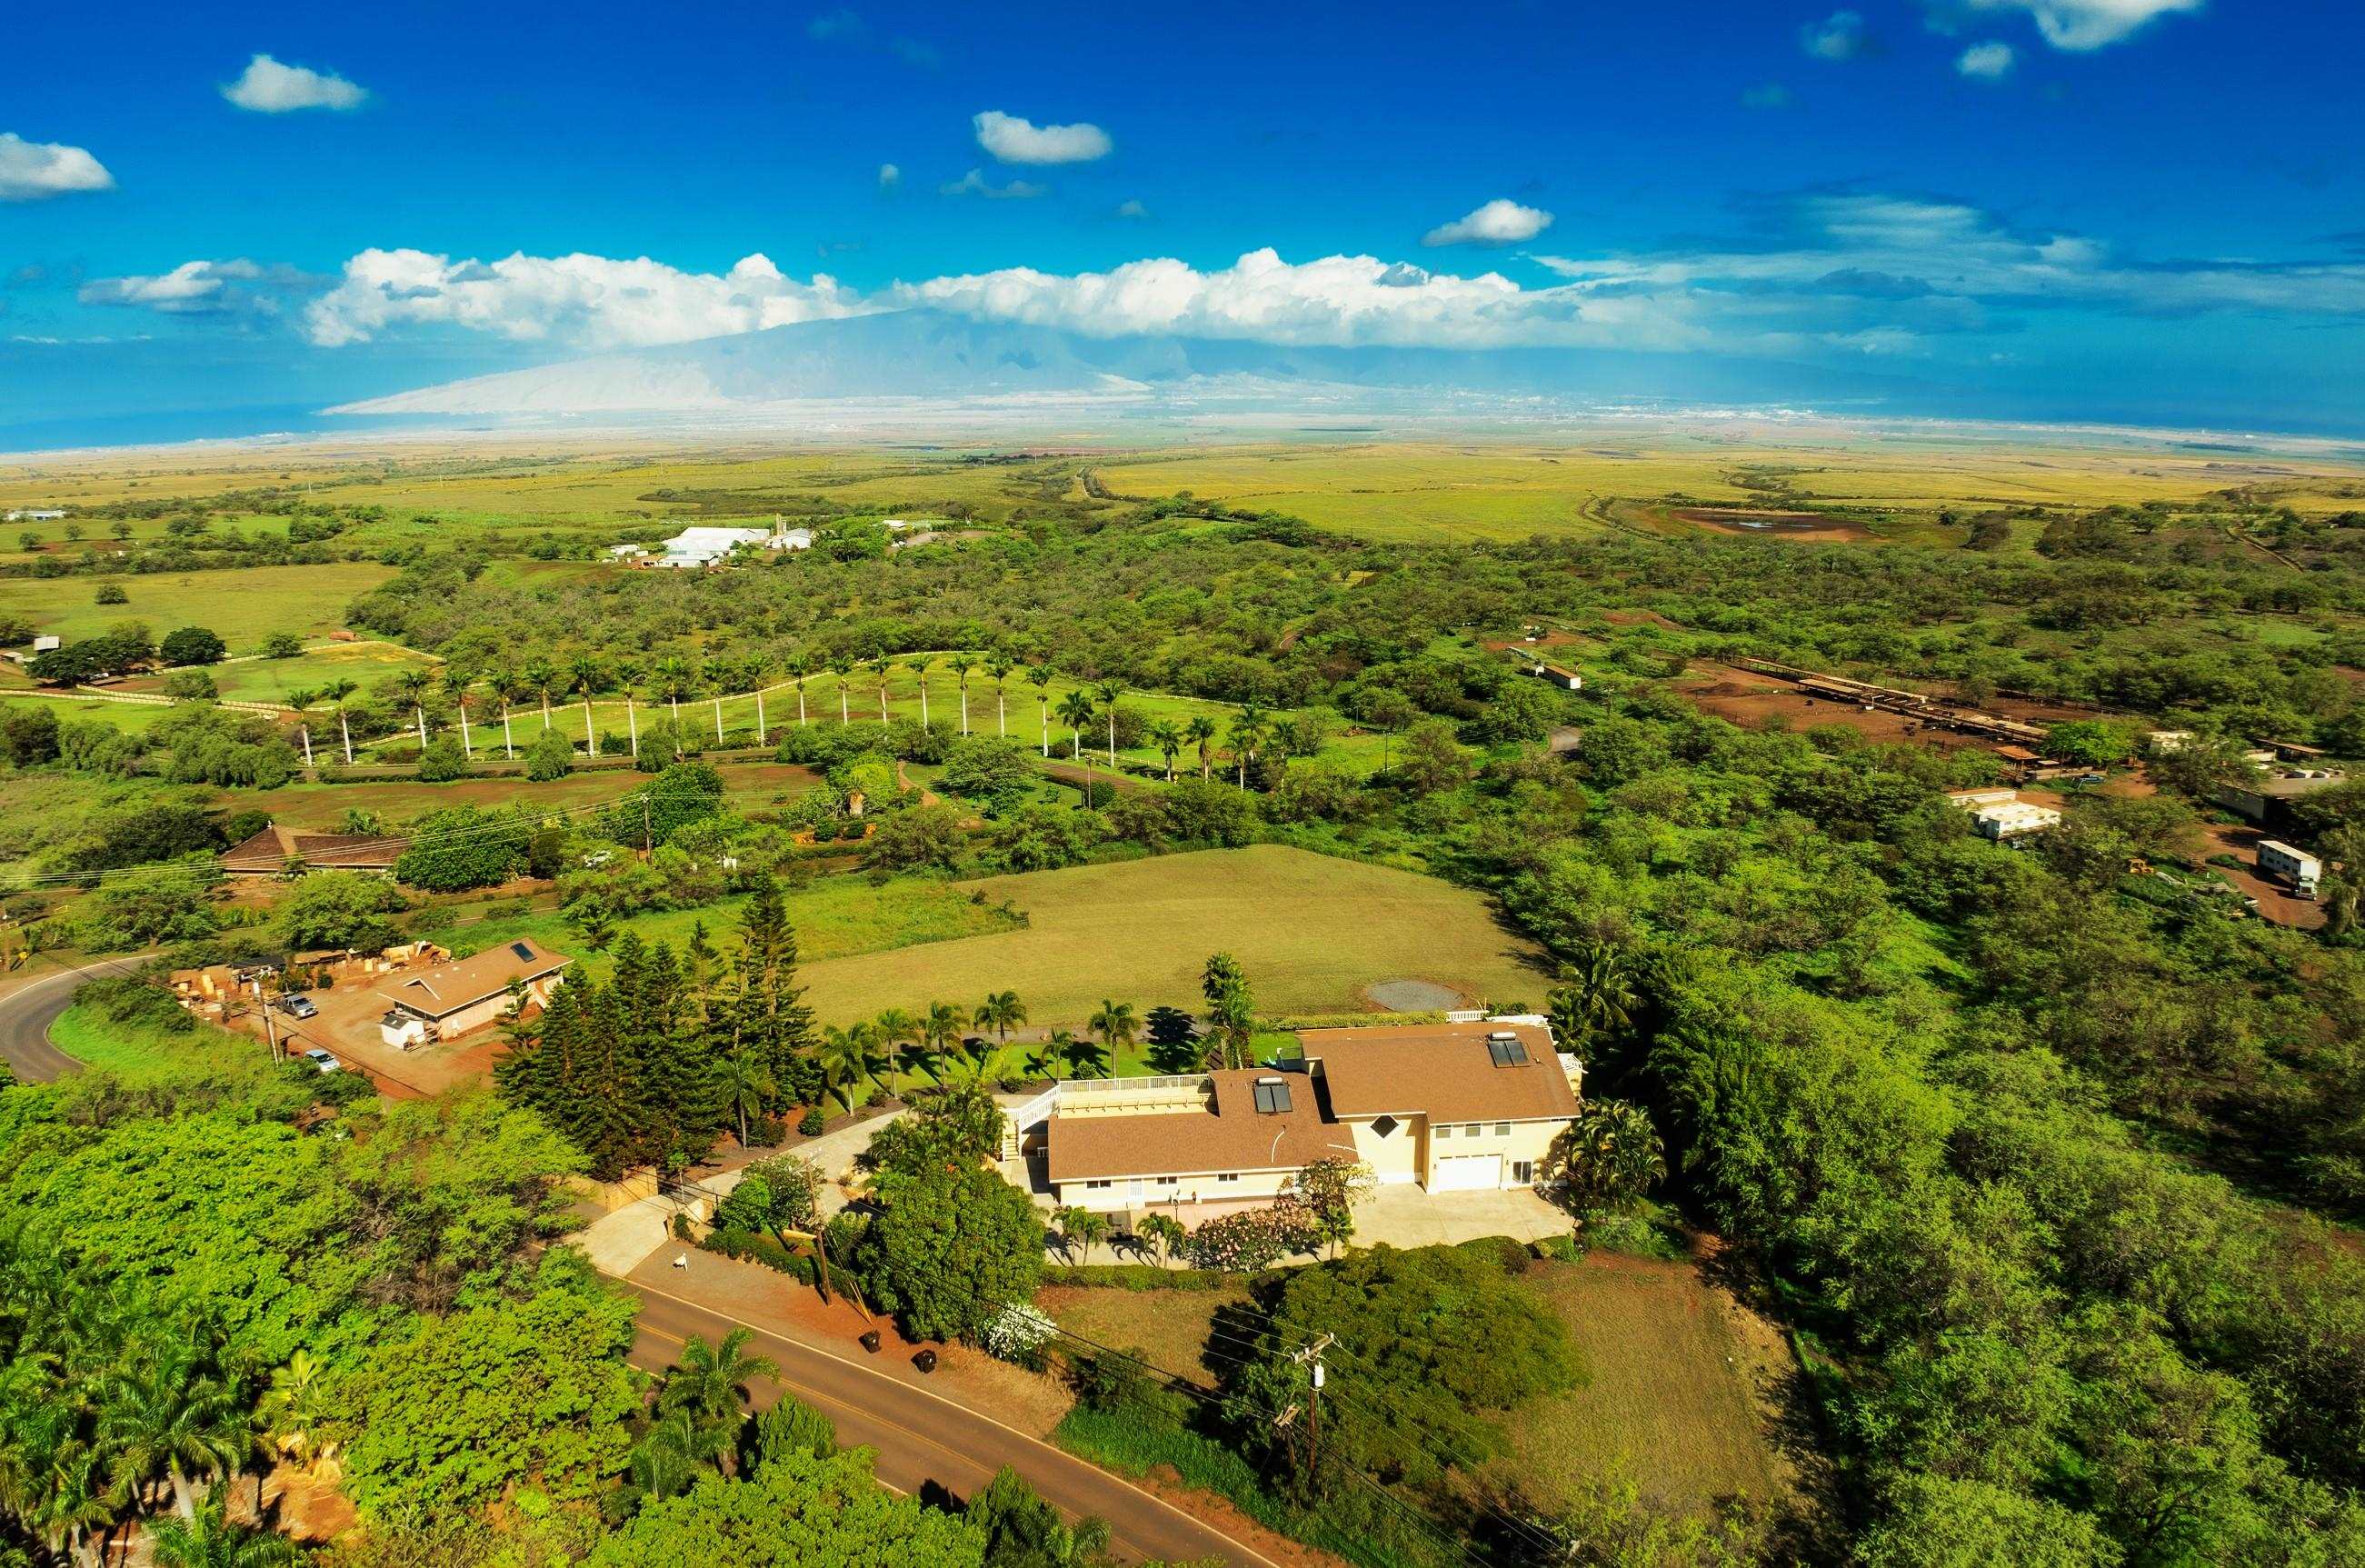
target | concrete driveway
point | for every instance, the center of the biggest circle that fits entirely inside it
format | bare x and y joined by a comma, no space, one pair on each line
1407,1216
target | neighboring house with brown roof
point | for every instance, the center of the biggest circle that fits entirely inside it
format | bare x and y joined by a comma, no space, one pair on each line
1448,1107
446,1000
267,852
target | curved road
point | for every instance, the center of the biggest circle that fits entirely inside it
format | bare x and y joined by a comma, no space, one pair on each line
926,1441
26,1015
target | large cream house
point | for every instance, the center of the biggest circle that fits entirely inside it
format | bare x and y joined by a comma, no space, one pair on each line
1445,1107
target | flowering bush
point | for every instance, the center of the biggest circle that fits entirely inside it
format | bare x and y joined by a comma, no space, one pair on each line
1017,1333
1255,1238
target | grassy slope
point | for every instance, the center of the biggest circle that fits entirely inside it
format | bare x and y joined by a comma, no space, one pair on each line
838,917
1312,932
135,1052
241,606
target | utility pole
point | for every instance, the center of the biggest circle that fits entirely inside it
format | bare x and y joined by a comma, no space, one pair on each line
270,1029
1312,1355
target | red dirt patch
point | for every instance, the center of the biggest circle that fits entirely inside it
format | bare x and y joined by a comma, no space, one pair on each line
1755,704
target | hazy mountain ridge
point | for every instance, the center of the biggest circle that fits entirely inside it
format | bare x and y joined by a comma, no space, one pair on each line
935,356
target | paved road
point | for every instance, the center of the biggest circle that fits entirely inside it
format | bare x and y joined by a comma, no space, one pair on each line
26,1015
923,1438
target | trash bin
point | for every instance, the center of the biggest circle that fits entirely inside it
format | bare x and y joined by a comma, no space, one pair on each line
926,1360
870,1340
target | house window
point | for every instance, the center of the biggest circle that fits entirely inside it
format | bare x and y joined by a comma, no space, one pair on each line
1473,1130
1523,1172
1170,1181
1502,1129
1445,1132
1384,1126
1100,1185
1228,1178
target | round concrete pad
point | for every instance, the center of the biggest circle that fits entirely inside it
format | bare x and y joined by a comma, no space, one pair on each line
1412,996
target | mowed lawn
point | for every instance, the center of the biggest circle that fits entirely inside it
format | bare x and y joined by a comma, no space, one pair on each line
241,607
1312,932
1681,1395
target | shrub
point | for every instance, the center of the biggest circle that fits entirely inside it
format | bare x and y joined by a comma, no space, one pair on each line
811,1124
191,645
112,593
551,755
442,761
1255,1238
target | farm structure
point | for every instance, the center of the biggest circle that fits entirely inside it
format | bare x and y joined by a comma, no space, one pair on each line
2296,867
1919,706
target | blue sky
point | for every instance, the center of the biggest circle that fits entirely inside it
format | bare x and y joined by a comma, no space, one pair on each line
2067,209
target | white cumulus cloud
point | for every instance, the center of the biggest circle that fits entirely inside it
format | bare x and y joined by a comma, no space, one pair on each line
974,183
236,287
267,88
593,301
1840,36
889,176
1016,141
2083,25
34,171
1499,222
1985,62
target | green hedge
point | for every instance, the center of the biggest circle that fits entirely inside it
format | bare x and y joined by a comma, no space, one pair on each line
754,1247
1141,1277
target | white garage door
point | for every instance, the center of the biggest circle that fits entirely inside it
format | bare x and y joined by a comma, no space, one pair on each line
1460,1172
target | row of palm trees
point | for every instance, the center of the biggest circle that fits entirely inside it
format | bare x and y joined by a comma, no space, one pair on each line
673,680
900,1045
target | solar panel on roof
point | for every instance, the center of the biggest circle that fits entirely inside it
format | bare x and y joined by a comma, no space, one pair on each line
1507,1052
1272,1097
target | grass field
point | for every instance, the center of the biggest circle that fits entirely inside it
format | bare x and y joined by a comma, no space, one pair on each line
1169,1327
1312,933
138,1054
1682,1386
836,917
241,607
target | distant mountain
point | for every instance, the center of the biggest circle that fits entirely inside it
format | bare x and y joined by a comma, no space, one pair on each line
931,356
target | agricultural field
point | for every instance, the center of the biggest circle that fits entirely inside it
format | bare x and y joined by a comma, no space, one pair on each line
1314,934
241,607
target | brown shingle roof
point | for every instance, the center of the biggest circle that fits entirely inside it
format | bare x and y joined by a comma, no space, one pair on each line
1444,1071
1231,1137
271,849
445,989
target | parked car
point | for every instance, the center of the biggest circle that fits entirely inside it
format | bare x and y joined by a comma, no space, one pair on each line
2088,779
323,1061
298,1006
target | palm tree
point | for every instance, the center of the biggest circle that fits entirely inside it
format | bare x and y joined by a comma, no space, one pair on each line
542,677
715,675
746,1089
1076,712
1000,1013
883,668
168,1413
999,665
208,1541
799,665
1083,1227
1596,996
1115,1024
841,666
412,683
710,1381
336,691
1167,736
456,679
673,679
74,1505
584,677
1109,692
672,1452
847,1056
942,1028
963,666
1248,733
896,1026
297,1408
1201,732
921,665
1040,676
1164,1233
